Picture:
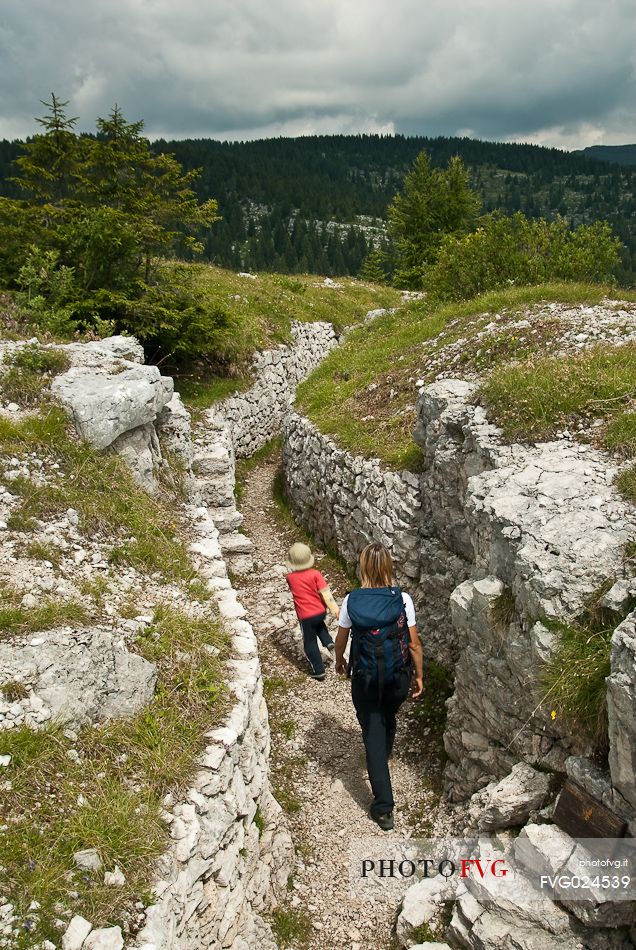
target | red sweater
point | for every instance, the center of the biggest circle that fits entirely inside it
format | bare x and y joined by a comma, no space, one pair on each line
305,587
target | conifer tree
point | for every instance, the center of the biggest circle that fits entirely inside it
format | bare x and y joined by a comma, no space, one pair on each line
433,202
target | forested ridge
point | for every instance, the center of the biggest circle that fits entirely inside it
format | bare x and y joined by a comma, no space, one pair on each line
319,203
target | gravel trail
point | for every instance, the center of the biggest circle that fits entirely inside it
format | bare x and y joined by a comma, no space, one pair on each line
317,758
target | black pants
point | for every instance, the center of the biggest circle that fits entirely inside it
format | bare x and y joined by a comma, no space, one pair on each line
314,629
377,719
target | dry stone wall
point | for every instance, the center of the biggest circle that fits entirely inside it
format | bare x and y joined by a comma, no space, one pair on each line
347,501
256,416
230,854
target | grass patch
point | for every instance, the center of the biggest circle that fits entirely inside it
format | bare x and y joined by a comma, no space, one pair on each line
111,799
101,489
29,372
503,609
259,821
95,587
537,398
427,718
291,927
286,727
285,774
260,312
273,685
41,551
574,679
363,394
45,826
203,393
16,620
626,483
14,691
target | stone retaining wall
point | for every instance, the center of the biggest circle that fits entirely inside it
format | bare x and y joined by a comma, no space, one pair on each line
346,501
231,853
256,416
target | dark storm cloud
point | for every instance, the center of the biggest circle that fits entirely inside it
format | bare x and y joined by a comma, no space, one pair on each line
554,71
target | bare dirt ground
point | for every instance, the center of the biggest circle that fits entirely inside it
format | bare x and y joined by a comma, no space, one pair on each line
317,760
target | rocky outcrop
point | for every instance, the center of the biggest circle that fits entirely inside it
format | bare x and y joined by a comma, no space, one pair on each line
546,528
511,801
76,676
107,393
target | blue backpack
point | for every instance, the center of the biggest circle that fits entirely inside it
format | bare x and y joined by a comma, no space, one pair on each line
379,635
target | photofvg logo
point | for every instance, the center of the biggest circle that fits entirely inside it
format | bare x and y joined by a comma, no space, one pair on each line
599,871
533,870
385,869
430,867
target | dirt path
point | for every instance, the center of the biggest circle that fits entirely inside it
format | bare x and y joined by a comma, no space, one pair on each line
318,768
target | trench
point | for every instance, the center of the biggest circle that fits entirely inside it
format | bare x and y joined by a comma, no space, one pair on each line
317,758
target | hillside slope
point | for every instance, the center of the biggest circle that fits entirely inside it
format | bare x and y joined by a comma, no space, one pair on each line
553,360
318,203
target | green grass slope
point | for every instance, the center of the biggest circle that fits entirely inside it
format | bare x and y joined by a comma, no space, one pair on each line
364,393
260,311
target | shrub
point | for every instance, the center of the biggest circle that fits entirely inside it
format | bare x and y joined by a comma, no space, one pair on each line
516,250
574,679
29,372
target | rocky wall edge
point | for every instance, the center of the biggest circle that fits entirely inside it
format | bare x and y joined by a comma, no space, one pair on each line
545,528
231,853
256,416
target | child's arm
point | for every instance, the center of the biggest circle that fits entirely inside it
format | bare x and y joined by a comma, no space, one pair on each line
327,596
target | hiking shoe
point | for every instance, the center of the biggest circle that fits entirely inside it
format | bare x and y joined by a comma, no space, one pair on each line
385,820
317,676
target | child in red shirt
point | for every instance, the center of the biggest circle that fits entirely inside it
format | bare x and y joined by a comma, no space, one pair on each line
311,598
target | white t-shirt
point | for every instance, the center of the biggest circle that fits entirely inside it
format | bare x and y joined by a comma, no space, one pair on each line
345,620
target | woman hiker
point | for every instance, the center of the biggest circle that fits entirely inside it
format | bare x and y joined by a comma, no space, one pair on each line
311,598
384,649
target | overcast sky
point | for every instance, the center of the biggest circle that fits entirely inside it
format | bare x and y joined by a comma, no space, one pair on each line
555,72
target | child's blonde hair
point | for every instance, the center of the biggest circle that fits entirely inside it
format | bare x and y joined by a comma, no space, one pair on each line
376,566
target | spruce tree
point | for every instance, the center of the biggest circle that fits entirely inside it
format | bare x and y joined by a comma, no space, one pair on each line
433,203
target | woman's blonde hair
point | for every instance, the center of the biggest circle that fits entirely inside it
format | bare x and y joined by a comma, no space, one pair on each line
376,566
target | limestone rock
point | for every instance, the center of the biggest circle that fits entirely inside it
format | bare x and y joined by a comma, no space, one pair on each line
88,860
104,406
510,802
110,348
114,878
621,708
108,938
422,903
547,850
77,932
78,675
140,449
